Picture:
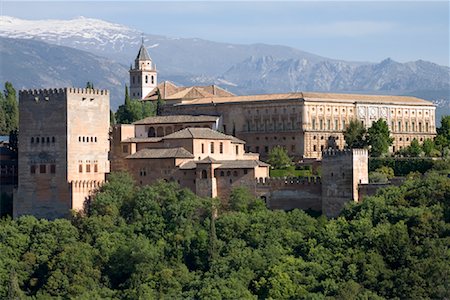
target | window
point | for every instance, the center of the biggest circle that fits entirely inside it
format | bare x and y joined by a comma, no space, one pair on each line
125,148
92,139
245,171
153,79
146,78
33,169
235,173
321,148
37,140
222,173
420,127
314,124
80,168
228,173
52,169
413,126
328,124
95,168
32,140
204,174
42,169
79,138
293,148
212,147
257,149
406,126
314,148
53,139
266,149
133,82
48,140
88,168
95,139
221,147
321,124
392,126
84,139
426,127
343,124
399,126
237,150
336,124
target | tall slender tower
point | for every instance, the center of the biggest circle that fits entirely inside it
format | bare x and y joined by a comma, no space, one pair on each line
143,77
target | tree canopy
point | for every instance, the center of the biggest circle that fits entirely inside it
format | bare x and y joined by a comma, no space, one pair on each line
162,241
355,135
378,138
133,110
279,158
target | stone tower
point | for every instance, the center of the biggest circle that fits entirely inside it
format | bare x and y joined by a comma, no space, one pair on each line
342,172
143,77
63,150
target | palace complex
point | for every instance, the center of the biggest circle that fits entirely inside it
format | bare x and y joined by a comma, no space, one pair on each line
208,140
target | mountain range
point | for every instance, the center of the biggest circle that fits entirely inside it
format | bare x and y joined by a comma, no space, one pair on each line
44,53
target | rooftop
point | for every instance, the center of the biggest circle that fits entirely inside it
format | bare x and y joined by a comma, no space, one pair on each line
170,91
201,133
316,97
176,119
226,164
162,153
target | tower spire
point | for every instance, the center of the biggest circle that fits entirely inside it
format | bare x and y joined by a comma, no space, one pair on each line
142,38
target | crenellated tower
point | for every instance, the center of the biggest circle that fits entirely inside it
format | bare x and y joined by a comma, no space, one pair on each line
63,152
143,77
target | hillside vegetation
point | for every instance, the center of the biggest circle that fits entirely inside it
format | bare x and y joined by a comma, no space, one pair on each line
160,242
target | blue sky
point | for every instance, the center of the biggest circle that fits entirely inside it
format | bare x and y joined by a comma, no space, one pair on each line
355,30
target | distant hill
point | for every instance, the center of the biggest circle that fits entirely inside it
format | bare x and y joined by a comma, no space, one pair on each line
242,69
34,64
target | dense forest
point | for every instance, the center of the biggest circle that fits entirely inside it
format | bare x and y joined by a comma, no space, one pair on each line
161,242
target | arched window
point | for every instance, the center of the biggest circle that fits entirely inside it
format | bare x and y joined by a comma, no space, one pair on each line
204,174
235,173
37,140
95,139
53,139
48,140
222,173
153,79
203,148
228,173
146,78
84,139
92,139
32,139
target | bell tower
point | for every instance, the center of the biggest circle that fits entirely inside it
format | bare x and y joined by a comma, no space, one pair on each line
143,77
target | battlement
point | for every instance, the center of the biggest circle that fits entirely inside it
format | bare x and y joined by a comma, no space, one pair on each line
334,152
86,184
287,181
63,91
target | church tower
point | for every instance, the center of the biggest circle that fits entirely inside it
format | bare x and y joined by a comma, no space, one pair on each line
143,77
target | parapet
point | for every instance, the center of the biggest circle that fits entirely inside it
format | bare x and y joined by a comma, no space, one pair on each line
288,181
328,153
64,91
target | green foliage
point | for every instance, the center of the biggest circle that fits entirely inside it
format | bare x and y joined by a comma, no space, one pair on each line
162,242
159,104
89,85
355,135
133,110
290,171
388,171
401,166
378,138
378,177
9,110
278,158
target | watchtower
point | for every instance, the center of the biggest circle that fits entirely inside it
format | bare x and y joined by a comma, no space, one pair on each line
342,172
143,77
63,150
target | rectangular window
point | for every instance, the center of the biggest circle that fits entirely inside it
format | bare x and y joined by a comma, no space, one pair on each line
329,124
392,126
426,127
266,149
399,126
237,150
245,171
42,169
321,124
125,148
413,126
221,147
314,124
336,124
88,168
95,168
212,147
52,169
406,126
420,127
343,124
314,148
203,148
80,168
33,169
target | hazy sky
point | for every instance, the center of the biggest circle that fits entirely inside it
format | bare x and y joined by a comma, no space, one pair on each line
356,30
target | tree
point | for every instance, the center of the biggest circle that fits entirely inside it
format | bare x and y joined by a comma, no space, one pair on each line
279,158
429,148
89,85
133,110
10,108
378,138
414,149
355,135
